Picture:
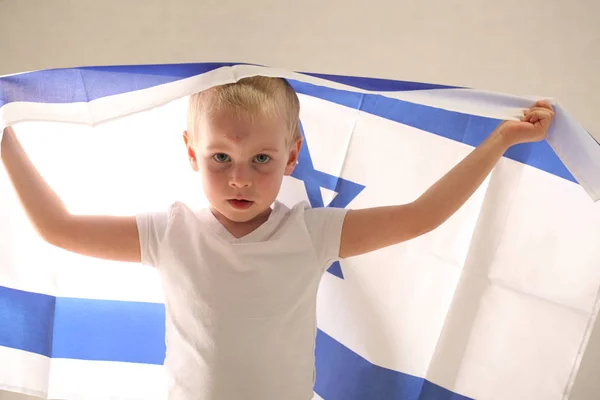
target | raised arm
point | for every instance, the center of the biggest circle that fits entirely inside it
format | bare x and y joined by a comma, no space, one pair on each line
374,228
106,237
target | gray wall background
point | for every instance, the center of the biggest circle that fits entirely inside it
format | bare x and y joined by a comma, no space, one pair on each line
539,47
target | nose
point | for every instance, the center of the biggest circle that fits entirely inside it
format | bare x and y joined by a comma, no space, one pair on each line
240,177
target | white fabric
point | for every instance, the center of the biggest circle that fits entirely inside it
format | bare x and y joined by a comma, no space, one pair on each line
496,304
241,313
575,147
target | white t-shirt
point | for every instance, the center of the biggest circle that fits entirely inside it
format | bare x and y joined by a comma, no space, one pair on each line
241,313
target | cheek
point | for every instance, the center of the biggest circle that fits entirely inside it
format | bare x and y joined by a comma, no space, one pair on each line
266,179
212,179
269,178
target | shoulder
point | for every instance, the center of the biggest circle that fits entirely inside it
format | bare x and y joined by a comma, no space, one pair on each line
175,214
322,226
160,230
316,217
181,209
315,220
303,213
304,210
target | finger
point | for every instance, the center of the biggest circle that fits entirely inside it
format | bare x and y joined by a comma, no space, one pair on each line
544,104
542,117
542,112
534,113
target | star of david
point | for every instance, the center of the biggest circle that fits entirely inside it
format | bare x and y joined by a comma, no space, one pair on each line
314,180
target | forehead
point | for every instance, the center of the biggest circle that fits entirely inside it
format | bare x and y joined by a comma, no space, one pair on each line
229,127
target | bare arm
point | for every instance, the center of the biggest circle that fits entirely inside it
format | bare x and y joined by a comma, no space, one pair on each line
374,228
106,237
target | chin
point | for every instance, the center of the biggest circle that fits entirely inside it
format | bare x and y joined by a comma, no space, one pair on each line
240,216
252,211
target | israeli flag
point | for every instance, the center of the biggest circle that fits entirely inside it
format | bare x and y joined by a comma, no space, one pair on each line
495,304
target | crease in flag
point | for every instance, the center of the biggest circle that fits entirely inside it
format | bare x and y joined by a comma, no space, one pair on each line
497,303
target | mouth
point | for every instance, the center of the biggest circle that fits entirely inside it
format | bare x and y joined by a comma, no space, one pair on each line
240,204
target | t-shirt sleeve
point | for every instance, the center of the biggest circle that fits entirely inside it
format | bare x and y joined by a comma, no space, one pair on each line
151,228
325,229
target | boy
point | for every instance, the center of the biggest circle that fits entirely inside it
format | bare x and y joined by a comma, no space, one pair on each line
241,278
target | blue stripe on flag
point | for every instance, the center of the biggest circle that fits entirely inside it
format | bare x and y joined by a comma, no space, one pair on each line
378,84
90,83
108,330
362,380
71,85
27,320
134,332
465,128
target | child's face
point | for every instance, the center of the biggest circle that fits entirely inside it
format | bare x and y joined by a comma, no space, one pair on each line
242,161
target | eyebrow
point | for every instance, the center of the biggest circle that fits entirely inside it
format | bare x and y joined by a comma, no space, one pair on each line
216,149
269,150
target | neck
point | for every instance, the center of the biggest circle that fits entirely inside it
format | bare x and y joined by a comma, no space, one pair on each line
241,229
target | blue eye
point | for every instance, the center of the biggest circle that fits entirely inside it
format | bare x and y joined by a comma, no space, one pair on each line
262,159
221,158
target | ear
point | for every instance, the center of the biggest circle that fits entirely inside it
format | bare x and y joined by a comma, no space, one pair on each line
190,151
293,157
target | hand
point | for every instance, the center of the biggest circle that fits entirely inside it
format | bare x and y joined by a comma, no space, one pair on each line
7,135
533,126
8,131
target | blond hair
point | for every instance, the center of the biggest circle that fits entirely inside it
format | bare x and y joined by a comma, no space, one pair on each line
257,95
